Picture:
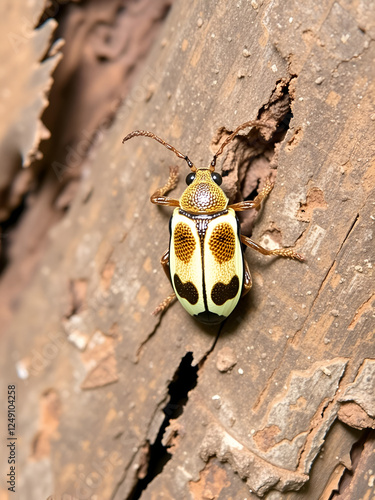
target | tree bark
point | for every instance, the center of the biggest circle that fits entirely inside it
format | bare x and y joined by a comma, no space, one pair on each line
281,395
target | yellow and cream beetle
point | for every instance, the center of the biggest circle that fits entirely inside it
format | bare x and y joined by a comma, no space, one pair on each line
205,261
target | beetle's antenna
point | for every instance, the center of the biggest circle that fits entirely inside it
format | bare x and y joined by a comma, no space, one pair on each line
137,133
251,123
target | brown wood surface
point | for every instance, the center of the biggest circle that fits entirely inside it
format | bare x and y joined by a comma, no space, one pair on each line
280,399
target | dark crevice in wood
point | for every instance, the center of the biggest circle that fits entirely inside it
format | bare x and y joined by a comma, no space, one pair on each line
349,231
52,10
256,154
355,455
184,380
5,231
277,112
253,193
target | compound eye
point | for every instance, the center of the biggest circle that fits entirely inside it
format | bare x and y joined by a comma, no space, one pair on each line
216,178
189,178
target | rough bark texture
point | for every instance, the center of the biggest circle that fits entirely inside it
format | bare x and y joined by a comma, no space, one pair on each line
103,44
279,401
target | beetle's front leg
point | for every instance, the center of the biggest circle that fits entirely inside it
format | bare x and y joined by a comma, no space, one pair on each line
158,197
256,202
164,261
282,252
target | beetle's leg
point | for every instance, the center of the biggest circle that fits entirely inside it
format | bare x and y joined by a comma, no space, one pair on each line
158,197
247,281
164,261
256,202
282,252
165,304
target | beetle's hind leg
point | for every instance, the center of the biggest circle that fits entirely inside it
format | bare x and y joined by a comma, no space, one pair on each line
282,252
159,197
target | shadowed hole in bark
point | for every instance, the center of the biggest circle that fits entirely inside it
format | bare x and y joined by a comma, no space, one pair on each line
355,455
184,380
253,193
6,227
253,157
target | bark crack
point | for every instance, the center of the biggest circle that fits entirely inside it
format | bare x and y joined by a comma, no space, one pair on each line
144,342
266,387
156,454
351,473
184,380
356,56
295,339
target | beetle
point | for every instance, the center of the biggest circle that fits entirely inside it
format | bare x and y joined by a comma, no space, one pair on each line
205,262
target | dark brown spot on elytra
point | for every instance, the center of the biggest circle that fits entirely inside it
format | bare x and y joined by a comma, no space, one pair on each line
187,290
222,242
184,242
221,293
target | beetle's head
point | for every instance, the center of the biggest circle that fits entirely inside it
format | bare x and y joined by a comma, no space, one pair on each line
203,194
